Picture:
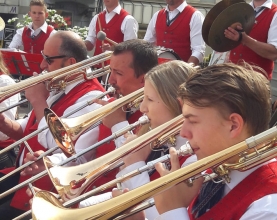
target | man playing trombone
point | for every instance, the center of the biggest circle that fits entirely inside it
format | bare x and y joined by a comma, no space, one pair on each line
61,49
223,105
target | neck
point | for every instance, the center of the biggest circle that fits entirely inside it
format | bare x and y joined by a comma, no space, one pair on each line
36,26
109,9
173,7
258,3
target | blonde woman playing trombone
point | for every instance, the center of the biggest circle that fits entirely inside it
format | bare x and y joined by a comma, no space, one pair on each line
160,104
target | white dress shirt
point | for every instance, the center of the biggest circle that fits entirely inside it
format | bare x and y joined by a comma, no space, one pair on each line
272,36
87,139
264,208
196,41
17,39
6,80
129,26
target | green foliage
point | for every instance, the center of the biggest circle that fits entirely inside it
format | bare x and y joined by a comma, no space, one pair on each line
55,20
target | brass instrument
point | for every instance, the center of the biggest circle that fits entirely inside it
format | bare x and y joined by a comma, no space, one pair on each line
60,78
141,121
247,154
71,182
66,131
49,151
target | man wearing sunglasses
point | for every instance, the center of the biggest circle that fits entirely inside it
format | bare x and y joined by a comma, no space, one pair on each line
62,49
33,36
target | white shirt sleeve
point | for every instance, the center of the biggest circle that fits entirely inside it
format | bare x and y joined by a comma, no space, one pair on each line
17,39
272,37
6,80
87,139
120,140
92,30
129,28
197,43
180,213
95,200
150,34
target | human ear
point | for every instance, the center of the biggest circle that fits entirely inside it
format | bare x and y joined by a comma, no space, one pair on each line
236,124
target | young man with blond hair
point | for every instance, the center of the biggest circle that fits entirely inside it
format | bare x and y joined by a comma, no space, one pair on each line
33,36
222,106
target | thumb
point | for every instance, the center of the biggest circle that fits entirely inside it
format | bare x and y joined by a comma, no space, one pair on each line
100,102
35,74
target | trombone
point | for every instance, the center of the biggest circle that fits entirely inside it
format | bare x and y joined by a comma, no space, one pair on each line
67,131
247,154
49,151
96,115
59,78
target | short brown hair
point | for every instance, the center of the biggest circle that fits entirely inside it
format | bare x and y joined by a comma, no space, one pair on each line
38,3
231,89
144,55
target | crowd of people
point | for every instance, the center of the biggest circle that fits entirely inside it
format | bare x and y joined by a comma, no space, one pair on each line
222,105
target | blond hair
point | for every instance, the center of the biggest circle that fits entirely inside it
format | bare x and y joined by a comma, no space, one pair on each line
3,67
166,79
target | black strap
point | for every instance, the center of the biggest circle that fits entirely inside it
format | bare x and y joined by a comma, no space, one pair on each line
209,195
168,21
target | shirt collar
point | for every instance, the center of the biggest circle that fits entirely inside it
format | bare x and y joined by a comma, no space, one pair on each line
267,4
180,7
116,10
237,176
71,86
43,27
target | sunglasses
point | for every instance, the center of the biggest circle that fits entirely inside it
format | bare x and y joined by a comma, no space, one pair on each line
49,60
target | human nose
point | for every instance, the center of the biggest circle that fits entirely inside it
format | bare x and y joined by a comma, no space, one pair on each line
112,79
143,107
184,132
43,64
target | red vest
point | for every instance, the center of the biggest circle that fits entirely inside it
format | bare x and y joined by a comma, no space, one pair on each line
177,35
36,44
6,143
260,33
112,29
20,199
258,184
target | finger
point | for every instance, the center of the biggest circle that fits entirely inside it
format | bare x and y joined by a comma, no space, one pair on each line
174,159
161,169
35,73
29,192
101,102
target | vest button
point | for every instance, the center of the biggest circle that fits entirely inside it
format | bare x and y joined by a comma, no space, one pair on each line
234,53
103,29
165,32
164,41
170,41
240,55
94,187
26,204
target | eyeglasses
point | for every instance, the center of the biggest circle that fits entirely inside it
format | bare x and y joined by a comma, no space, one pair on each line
49,60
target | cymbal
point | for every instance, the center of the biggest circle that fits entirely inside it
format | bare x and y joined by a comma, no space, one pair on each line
212,14
237,13
2,24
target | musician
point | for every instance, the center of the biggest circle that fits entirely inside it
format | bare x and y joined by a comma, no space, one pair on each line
129,62
178,27
7,159
220,107
118,25
62,49
260,46
33,36
160,104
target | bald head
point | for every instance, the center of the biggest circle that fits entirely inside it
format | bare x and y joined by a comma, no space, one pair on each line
71,44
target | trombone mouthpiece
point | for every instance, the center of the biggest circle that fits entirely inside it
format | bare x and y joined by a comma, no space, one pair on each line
101,35
185,150
143,120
